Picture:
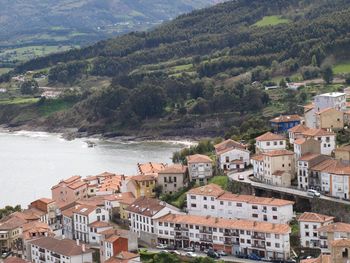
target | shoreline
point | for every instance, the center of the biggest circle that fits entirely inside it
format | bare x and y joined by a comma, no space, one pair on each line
70,134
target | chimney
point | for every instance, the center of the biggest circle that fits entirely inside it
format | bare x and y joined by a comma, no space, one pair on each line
78,242
83,247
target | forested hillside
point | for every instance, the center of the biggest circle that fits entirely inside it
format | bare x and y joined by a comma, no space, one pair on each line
197,71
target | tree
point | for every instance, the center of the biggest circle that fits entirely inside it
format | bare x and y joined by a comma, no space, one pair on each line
29,87
314,61
327,74
283,83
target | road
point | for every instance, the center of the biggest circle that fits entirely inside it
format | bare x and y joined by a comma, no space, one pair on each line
246,175
201,254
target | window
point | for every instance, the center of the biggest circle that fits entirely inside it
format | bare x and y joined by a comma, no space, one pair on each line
277,236
221,202
274,208
268,244
164,179
281,142
277,245
268,235
242,240
193,197
205,198
274,217
239,204
205,207
227,159
275,143
307,234
306,226
193,205
160,224
254,207
268,143
213,207
255,215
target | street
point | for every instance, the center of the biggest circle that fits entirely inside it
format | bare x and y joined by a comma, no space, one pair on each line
246,175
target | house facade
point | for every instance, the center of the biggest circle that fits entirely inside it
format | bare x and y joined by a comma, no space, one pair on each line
214,201
200,168
330,119
309,223
335,100
173,178
269,142
283,123
233,236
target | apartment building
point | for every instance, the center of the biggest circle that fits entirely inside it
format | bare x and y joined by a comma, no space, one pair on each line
83,216
331,233
231,155
69,190
95,230
52,250
308,170
200,168
335,180
173,178
275,167
335,100
309,223
214,201
270,142
326,138
142,214
10,232
343,154
265,239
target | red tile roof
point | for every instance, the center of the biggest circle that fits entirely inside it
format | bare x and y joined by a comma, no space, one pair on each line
335,227
228,144
298,129
314,217
198,158
317,132
207,190
269,136
278,153
174,169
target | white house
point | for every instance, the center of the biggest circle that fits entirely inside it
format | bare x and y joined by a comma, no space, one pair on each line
232,155
296,132
83,216
142,213
264,239
95,229
309,223
270,142
331,232
200,168
51,250
214,201
335,100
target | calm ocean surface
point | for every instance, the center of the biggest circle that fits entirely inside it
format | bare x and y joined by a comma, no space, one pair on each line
31,162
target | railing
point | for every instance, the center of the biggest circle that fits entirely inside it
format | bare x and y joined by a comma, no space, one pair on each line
205,239
205,231
258,245
323,246
258,237
323,237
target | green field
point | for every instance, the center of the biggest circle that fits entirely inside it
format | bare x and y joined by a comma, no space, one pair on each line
18,101
30,52
342,67
271,21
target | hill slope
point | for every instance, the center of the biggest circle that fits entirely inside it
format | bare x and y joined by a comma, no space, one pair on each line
195,74
78,22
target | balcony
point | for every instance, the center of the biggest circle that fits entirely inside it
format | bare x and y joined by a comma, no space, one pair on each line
256,245
177,228
258,237
227,242
206,231
323,237
323,246
205,239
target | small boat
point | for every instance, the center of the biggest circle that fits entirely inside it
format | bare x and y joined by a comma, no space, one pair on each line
90,144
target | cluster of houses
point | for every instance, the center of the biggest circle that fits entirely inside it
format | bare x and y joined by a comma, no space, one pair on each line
90,215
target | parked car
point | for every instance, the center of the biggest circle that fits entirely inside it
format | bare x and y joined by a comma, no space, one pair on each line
161,246
164,251
254,257
189,249
175,252
241,177
242,255
222,253
171,247
313,193
191,254
213,254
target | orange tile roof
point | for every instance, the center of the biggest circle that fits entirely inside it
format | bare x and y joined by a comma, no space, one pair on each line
317,132
207,190
298,129
143,177
324,165
46,200
321,259
83,209
150,167
340,243
259,157
35,228
77,185
122,257
147,206
338,168
309,156
278,153
299,141
99,224
251,199
269,136
228,144
326,110
68,212
174,169
314,217
227,223
14,259
198,158
286,118
335,227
